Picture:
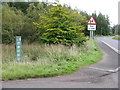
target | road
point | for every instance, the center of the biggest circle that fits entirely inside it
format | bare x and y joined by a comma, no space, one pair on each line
94,76
111,42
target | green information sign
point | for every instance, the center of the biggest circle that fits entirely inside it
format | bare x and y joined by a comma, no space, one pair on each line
18,48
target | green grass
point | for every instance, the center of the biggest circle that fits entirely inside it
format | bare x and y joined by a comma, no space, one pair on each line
103,36
116,37
47,60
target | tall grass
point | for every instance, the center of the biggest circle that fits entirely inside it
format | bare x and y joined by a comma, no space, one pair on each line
41,53
46,60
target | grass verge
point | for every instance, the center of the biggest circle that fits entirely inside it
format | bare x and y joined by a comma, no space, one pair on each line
117,37
104,36
48,61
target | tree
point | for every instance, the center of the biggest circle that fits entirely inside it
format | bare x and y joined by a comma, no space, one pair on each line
86,32
103,27
103,24
32,15
53,23
61,25
12,23
116,29
19,5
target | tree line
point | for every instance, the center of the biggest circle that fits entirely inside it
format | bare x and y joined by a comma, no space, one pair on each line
116,29
39,22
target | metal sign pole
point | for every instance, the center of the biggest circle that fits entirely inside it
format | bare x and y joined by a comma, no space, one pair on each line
90,36
91,39
91,28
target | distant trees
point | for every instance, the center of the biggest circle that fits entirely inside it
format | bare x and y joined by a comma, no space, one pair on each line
103,24
55,24
116,29
48,23
19,5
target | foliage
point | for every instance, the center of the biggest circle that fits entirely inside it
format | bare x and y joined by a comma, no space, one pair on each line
103,27
53,23
116,29
19,5
12,23
61,25
117,37
103,23
15,22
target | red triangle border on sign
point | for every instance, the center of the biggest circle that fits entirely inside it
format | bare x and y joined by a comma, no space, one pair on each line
92,23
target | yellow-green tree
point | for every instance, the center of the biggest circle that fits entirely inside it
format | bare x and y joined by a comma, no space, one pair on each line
61,25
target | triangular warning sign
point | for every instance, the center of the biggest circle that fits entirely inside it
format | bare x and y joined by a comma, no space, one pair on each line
91,21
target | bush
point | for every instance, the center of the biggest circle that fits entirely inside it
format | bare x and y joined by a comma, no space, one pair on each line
60,25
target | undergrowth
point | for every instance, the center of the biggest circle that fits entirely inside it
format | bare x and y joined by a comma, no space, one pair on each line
47,60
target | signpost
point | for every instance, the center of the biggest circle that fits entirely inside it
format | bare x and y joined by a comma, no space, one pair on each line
91,27
18,48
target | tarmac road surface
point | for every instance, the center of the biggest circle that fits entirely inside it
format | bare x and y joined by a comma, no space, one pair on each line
94,76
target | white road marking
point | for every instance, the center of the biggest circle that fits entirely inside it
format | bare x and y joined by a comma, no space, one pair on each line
99,69
116,50
106,70
115,70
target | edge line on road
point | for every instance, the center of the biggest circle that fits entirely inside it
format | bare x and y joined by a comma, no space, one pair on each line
99,69
106,70
117,51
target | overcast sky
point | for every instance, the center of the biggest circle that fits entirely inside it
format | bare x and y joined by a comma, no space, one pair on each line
106,7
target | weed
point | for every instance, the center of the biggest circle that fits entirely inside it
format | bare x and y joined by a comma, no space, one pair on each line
47,60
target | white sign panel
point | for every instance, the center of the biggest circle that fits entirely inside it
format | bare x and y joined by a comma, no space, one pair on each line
92,27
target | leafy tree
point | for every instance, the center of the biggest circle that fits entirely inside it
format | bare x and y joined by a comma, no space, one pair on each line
103,24
103,27
61,25
12,23
87,33
53,23
19,5
32,15
116,29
